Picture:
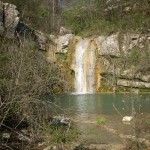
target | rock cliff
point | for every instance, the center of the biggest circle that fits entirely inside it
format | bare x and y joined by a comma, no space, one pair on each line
122,59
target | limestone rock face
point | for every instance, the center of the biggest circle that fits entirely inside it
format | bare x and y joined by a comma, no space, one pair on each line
128,74
63,43
118,51
135,84
108,45
8,19
112,55
11,19
143,77
41,39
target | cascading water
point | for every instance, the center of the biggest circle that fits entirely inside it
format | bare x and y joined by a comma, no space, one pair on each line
84,66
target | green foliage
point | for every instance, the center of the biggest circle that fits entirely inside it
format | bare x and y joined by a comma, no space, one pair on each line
61,134
62,55
140,58
101,121
85,17
135,55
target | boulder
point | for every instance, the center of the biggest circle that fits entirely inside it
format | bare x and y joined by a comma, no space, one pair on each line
58,120
63,43
127,118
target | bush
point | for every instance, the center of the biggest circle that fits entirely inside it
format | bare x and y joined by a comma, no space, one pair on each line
25,76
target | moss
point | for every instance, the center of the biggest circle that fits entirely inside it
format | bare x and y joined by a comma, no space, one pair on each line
144,90
72,73
62,55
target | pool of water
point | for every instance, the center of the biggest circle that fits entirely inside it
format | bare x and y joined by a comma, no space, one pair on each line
107,104
86,109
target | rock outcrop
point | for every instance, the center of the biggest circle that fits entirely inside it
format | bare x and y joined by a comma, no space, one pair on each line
41,40
8,19
132,84
108,45
11,19
63,43
11,26
120,58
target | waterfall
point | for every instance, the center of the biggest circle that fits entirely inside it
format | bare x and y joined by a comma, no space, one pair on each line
84,66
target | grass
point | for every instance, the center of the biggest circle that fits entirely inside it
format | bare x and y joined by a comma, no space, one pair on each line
101,121
61,134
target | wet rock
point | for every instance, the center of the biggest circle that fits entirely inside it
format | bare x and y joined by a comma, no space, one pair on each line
105,63
58,120
134,91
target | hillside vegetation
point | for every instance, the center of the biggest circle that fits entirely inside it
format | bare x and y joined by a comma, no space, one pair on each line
85,17
90,17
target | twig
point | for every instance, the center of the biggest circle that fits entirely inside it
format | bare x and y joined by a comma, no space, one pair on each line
117,111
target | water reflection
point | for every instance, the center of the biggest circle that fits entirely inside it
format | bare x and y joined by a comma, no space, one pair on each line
104,103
